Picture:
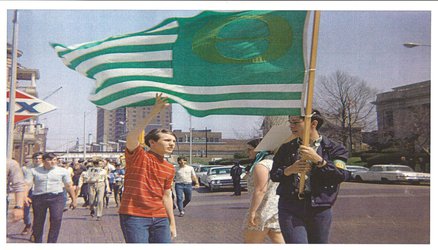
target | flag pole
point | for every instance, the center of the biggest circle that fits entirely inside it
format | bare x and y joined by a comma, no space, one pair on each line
12,87
309,98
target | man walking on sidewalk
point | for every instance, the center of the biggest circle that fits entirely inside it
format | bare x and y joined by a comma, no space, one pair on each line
37,161
48,181
184,177
97,184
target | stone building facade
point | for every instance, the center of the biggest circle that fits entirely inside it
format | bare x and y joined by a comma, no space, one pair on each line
403,116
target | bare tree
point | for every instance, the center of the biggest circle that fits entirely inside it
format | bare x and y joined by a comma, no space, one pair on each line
346,100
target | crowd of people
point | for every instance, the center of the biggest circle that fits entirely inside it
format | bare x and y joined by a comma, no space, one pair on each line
292,187
47,183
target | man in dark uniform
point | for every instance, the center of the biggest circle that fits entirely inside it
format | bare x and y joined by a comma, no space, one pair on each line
235,173
308,219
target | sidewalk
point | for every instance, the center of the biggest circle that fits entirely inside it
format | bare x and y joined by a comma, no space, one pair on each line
204,222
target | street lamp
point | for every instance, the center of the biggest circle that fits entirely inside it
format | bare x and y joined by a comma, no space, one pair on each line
412,45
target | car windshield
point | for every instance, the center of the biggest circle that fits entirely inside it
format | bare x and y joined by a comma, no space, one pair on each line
219,171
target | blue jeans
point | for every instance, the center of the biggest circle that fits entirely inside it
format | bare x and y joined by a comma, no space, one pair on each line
40,204
27,220
302,223
145,229
183,189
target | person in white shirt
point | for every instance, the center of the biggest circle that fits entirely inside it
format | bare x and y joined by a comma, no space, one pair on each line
48,182
184,176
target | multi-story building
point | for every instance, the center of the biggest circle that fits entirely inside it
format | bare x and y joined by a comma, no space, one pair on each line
113,125
30,135
403,116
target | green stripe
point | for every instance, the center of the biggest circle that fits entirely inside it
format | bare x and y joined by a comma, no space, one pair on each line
120,79
113,38
246,111
231,111
202,97
119,49
126,65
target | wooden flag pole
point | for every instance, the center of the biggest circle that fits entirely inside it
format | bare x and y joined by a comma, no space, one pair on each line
309,99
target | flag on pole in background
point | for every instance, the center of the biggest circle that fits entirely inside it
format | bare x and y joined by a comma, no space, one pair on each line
243,63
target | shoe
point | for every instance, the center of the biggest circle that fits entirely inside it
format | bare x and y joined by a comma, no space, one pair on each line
181,214
92,213
65,209
85,205
32,238
99,218
26,230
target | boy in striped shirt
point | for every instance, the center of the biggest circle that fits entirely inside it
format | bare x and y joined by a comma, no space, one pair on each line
146,209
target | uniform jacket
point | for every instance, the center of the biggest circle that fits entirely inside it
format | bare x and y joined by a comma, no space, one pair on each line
324,182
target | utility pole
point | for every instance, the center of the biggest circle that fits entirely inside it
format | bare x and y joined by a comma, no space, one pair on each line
206,141
12,87
190,139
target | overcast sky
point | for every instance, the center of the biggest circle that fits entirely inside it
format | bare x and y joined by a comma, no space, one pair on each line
365,44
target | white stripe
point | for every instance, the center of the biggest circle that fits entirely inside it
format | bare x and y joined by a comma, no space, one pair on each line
206,105
165,55
136,40
111,73
168,26
199,90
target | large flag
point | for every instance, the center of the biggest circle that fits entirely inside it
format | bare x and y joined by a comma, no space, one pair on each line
243,63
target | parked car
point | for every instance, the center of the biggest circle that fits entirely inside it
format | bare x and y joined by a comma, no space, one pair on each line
353,168
201,170
391,173
219,178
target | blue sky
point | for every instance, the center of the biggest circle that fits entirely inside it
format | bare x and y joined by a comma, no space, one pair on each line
365,44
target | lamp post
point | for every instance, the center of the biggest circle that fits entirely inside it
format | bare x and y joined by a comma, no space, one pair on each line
85,134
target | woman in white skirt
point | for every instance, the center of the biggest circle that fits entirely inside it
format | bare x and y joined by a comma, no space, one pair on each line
261,219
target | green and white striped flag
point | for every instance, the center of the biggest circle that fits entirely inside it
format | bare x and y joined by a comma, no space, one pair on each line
242,63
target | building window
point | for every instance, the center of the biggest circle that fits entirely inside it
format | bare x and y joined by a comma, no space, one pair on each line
388,119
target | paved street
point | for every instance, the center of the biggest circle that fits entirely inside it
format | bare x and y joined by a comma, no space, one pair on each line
364,213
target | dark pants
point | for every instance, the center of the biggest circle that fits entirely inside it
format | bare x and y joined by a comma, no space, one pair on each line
117,192
236,186
40,204
181,190
301,223
84,193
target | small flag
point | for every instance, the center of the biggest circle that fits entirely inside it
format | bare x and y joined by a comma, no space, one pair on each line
243,63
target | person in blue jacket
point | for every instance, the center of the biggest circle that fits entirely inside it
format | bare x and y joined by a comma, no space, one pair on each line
307,219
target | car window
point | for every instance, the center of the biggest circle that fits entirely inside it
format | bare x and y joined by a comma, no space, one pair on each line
219,171
376,169
400,168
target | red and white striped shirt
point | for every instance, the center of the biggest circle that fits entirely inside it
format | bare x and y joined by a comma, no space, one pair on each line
147,176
